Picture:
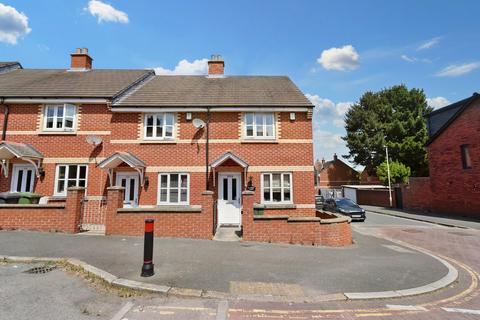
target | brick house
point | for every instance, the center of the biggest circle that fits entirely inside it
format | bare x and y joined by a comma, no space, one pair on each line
334,173
138,142
454,162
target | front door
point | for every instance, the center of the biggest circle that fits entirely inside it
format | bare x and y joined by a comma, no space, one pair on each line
229,206
23,178
129,180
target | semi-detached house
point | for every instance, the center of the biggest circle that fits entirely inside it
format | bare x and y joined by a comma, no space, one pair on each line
165,139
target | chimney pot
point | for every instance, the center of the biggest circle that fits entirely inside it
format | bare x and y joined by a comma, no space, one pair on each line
81,60
335,156
216,65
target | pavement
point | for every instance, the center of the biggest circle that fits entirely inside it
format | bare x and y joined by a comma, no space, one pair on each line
440,219
60,295
242,268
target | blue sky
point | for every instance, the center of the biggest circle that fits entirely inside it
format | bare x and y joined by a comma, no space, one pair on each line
333,50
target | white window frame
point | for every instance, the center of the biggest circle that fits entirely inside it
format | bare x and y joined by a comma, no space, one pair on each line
264,125
168,202
154,132
282,187
15,170
55,116
57,172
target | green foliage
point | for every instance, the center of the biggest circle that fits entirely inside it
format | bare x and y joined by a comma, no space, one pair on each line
399,172
391,117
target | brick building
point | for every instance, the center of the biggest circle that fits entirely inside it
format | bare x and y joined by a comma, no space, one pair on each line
335,173
454,162
148,134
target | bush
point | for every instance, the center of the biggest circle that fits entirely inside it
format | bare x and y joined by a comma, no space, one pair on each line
399,172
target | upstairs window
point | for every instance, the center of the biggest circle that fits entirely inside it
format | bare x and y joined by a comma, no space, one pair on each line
260,125
466,159
60,117
159,126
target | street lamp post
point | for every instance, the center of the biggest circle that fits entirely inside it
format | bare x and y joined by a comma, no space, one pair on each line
388,174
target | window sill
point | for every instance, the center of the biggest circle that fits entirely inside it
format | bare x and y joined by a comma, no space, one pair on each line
163,209
246,140
273,206
158,141
57,133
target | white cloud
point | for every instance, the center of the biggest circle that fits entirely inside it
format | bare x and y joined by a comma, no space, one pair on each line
105,12
429,44
407,58
341,59
13,24
456,70
438,102
199,66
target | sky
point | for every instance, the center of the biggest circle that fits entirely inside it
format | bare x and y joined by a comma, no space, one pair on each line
333,50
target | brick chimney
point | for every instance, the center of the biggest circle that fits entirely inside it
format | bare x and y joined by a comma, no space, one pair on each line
216,65
81,60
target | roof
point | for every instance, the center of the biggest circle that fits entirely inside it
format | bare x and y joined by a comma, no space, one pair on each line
205,91
440,119
4,64
229,155
117,158
60,83
18,150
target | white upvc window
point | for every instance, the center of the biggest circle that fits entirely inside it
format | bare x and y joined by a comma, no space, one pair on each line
173,188
59,117
260,125
159,126
277,187
70,175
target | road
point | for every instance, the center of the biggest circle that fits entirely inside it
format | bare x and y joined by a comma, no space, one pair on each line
56,295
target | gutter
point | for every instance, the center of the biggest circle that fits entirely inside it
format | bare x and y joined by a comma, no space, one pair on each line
117,108
55,100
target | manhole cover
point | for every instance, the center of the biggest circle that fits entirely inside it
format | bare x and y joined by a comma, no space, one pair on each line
460,234
412,231
41,269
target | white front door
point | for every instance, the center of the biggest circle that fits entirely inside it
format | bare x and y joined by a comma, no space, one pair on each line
129,180
23,178
229,205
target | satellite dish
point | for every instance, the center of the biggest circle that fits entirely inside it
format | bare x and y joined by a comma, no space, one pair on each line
94,140
198,123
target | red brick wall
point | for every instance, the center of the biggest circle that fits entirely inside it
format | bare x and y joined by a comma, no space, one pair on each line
283,230
457,190
417,194
63,217
167,224
375,197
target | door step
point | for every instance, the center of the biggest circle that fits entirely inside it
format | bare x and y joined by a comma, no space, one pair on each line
227,234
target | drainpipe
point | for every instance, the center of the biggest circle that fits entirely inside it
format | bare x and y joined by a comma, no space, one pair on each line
5,118
206,149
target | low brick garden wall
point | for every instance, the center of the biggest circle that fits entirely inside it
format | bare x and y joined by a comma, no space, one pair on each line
179,222
61,217
324,229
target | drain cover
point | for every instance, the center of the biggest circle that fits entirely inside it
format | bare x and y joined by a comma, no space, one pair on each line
41,269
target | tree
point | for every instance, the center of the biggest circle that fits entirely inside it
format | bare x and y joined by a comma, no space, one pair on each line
392,117
399,172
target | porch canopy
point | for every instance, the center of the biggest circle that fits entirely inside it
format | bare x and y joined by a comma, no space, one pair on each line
11,150
229,157
120,157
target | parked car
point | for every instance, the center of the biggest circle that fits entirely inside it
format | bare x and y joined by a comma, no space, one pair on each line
346,207
319,201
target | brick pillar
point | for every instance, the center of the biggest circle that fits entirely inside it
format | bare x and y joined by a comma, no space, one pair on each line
73,209
114,201
247,214
208,213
